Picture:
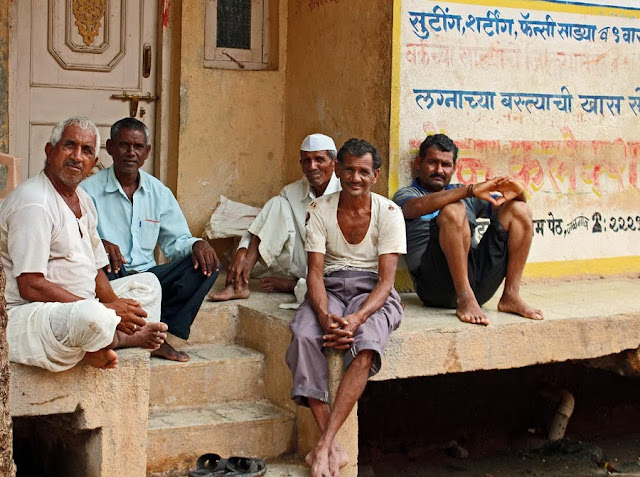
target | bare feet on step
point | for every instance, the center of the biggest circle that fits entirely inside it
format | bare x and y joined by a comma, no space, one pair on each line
103,359
512,303
321,463
469,311
229,293
338,458
167,351
277,285
150,336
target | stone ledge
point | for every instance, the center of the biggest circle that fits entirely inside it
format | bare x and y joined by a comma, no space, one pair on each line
583,320
115,403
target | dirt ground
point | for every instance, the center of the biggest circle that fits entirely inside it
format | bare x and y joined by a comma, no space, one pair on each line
567,459
495,424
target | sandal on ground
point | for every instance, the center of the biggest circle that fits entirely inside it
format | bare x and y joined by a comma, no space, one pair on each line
209,465
247,467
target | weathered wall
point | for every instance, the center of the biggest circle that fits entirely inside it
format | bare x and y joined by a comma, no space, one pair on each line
4,77
6,435
338,78
542,91
231,129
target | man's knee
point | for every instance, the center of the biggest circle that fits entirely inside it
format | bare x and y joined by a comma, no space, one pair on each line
276,205
454,214
364,359
91,325
515,212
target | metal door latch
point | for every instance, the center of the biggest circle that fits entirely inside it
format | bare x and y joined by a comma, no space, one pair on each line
134,100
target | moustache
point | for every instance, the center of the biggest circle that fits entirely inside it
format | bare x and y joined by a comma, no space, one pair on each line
438,175
71,162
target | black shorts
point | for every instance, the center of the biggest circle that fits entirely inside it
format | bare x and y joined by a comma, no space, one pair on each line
487,268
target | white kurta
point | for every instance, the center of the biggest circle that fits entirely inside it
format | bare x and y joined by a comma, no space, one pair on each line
280,227
40,234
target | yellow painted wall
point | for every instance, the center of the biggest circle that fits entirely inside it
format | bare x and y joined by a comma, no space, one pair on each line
577,163
338,79
231,127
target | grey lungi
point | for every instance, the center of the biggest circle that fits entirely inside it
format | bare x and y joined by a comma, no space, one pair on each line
346,291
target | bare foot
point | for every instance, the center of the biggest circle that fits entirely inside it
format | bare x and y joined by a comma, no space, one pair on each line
320,466
103,359
515,304
167,351
469,311
338,458
277,285
150,336
230,293
309,457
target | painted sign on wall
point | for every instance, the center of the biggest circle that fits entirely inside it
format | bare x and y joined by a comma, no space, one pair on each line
544,91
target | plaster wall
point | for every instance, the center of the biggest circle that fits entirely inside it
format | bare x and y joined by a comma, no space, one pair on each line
231,128
338,78
4,77
542,91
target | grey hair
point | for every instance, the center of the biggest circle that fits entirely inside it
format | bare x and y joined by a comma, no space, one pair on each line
332,154
132,124
84,123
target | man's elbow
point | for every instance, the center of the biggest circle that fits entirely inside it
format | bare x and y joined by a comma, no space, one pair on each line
26,289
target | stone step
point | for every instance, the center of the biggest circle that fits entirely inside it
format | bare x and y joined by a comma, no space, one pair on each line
214,374
288,466
177,438
215,323
291,466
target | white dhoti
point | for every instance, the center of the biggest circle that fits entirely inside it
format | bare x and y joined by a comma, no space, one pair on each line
281,242
90,326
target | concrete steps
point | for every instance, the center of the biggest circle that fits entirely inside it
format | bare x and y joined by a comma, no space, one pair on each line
216,323
216,402
214,374
287,466
176,438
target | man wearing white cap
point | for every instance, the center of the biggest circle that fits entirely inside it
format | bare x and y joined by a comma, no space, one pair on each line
277,234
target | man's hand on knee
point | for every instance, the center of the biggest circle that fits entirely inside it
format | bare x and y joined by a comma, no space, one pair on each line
239,270
116,259
132,316
204,258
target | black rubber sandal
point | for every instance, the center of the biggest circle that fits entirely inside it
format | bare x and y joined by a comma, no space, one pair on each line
247,467
209,465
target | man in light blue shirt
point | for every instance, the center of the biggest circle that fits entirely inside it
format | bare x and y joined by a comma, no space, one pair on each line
136,212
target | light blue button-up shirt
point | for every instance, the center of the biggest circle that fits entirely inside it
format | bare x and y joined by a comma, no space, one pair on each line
153,218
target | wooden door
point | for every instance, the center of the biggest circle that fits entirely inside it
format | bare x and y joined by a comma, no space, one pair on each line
72,56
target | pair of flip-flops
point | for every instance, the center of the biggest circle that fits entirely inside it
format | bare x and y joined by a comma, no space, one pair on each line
212,465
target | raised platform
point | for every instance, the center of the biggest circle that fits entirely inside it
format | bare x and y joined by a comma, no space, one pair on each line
233,397
109,407
583,320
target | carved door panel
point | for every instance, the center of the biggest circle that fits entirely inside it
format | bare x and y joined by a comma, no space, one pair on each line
72,56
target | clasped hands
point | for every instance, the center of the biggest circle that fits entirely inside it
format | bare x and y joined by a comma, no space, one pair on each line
339,330
508,187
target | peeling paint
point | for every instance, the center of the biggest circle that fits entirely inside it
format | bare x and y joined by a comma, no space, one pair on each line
166,13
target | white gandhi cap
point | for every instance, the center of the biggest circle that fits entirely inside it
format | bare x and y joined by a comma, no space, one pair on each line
318,142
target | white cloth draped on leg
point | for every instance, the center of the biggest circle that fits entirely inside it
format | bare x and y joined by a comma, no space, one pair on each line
90,325
281,243
144,288
31,341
